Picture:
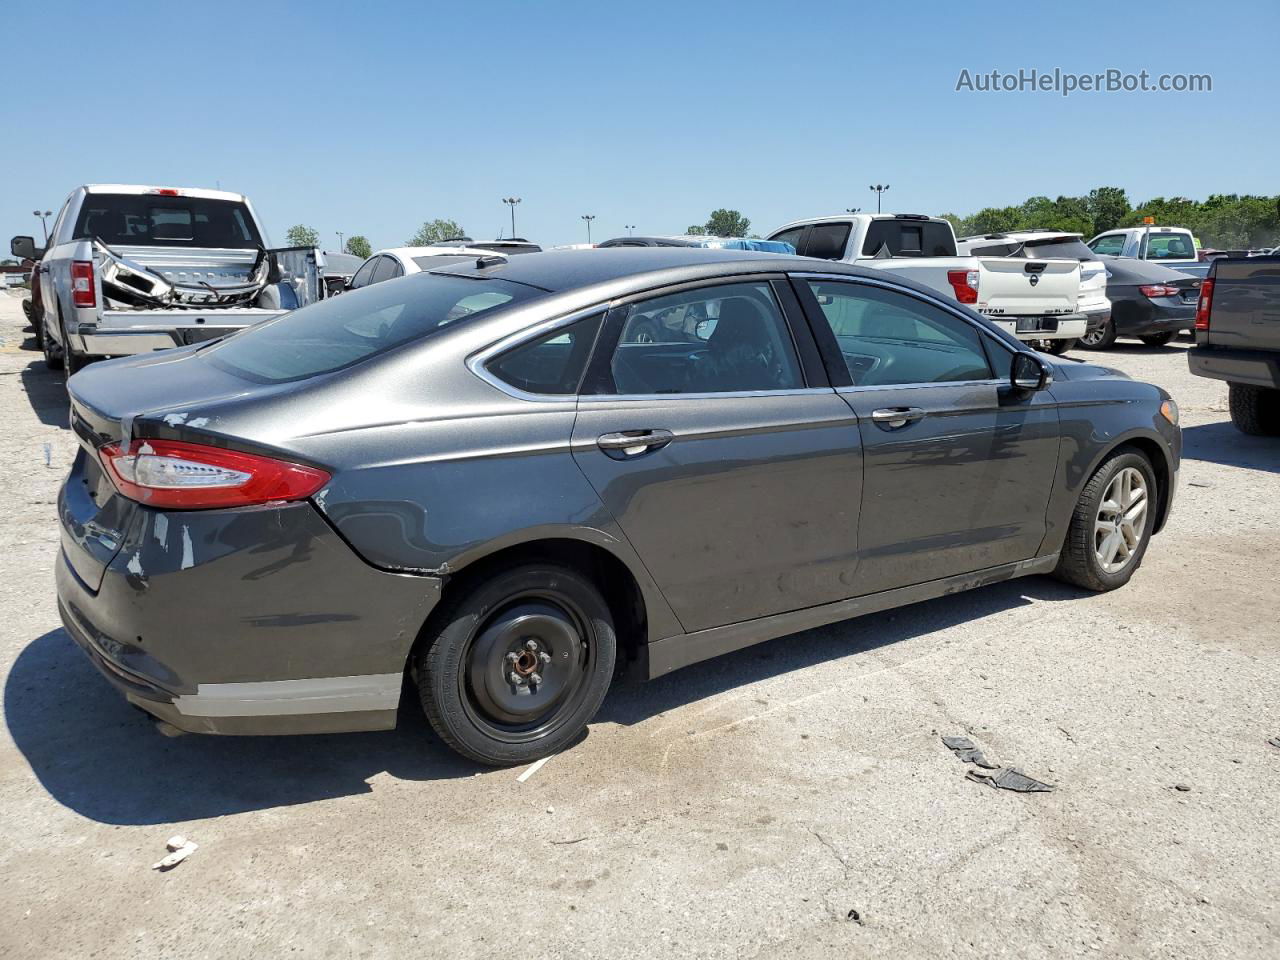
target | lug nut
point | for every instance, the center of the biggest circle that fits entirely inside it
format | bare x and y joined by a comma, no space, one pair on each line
535,679
544,657
512,657
516,679
531,644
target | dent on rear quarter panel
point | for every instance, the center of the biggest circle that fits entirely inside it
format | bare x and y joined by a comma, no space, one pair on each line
434,496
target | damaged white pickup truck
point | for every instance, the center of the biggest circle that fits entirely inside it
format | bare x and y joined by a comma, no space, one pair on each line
130,269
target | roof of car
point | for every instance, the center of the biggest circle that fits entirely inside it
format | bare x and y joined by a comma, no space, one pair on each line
561,270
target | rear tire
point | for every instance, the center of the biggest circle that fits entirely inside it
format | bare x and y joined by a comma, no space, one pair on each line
53,357
1103,549
1158,339
1100,339
1254,410
519,663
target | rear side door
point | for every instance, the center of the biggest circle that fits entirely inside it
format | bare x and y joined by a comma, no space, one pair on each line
722,452
958,469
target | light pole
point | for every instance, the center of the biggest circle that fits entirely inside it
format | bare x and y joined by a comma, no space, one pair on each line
43,225
342,247
852,209
879,189
588,217
511,202
629,228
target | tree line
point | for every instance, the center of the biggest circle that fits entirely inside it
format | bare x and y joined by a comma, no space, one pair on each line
1224,220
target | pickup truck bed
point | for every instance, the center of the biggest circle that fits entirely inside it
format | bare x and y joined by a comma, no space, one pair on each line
1238,339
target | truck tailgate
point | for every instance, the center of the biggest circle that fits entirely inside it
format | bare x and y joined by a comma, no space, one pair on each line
1013,287
1245,310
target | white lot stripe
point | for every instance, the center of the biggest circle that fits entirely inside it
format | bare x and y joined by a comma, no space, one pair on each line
532,770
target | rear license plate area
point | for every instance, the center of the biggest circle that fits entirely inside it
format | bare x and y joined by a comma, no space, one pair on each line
1036,325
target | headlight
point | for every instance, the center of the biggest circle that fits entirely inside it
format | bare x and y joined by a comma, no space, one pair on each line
1169,410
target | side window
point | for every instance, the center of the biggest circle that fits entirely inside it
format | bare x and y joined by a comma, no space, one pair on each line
386,269
364,275
890,338
716,339
552,364
827,241
1110,244
791,236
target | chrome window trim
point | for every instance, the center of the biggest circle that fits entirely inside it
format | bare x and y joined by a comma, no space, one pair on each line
984,329
727,394
476,363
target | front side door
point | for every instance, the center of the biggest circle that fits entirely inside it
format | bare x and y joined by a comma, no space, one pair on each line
736,480
958,468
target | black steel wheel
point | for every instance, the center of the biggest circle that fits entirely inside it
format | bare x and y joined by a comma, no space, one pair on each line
520,664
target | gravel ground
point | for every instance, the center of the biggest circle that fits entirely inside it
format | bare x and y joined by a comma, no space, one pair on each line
739,808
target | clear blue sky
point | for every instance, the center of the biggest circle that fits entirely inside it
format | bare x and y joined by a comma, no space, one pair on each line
371,118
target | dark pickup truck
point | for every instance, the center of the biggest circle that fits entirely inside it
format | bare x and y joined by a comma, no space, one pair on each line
1238,339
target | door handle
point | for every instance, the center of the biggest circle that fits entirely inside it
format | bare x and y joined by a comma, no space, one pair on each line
894,417
631,443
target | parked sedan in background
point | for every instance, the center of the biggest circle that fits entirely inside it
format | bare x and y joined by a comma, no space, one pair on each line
1148,302
401,261
479,477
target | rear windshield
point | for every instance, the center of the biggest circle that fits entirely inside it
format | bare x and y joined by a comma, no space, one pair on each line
166,221
909,238
337,333
435,263
1060,249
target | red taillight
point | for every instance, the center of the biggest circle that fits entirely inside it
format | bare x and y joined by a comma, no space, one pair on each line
1204,305
965,284
166,192
1158,290
173,475
82,292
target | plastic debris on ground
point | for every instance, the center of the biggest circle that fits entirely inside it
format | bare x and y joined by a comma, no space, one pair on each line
179,849
993,774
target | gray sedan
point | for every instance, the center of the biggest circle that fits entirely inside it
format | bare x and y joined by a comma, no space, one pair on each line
510,481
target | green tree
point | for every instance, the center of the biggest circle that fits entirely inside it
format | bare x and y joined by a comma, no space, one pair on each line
1108,206
723,223
358,246
300,235
435,230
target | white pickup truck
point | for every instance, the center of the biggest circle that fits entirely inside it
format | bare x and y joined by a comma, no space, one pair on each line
1172,247
1032,299
130,269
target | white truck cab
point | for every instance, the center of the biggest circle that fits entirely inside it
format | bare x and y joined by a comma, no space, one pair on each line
131,268
1167,245
1034,299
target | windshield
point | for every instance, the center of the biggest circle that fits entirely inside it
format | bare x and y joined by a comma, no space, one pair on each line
337,333
154,220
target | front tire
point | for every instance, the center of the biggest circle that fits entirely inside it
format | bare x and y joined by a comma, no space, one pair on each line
518,665
1254,410
1158,339
1101,338
1111,525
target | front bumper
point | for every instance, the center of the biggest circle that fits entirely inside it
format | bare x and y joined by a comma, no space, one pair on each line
1259,368
254,621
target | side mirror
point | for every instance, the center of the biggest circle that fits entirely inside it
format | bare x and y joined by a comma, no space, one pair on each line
1029,372
24,248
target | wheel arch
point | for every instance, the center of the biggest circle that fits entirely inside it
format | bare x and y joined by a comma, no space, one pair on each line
640,612
1154,449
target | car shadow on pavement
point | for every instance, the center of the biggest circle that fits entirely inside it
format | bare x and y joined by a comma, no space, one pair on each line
1223,443
103,758
47,393
635,702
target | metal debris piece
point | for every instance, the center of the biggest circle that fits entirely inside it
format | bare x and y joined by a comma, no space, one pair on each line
854,915
965,749
179,849
1274,741
1010,778
1004,778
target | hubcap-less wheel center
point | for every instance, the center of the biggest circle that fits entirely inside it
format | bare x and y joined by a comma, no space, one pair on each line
524,663
1121,520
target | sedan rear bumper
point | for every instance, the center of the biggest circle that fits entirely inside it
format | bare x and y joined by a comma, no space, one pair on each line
259,621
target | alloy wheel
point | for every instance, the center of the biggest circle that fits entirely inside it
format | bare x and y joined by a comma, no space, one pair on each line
1121,520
